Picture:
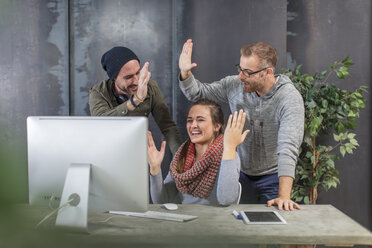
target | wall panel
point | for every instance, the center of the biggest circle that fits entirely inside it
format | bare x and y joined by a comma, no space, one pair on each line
33,76
319,33
219,28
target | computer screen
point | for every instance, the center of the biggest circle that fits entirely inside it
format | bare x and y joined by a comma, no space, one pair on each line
115,148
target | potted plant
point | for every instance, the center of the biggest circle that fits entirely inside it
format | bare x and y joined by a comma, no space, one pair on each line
329,111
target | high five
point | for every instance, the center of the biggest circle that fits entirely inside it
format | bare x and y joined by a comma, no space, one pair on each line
275,116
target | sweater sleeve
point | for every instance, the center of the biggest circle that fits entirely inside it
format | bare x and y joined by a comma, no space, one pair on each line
290,133
217,91
164,119
228,181
163,191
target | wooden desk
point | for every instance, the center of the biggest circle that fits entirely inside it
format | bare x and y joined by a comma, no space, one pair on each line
216,226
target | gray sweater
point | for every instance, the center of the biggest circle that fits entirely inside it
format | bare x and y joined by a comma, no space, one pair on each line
224,192
276,121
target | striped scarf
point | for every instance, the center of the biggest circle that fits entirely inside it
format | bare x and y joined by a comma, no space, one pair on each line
197,178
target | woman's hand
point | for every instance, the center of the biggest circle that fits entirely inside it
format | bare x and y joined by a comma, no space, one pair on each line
143,80
184,62
155,157
233,134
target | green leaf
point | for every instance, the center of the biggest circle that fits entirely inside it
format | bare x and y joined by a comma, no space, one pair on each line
340,75
351,135
349,63
349,145
330,163
304,176
312,159
345,59
354,142
311,104
309,154
345,73
342,150
351,115
355,104
308,141
299,198
298,69
323,110
337,180
306,200
343,68
349,150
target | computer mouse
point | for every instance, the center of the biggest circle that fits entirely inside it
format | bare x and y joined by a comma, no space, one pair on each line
170,206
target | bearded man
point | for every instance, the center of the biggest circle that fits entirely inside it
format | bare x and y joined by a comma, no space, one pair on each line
129,91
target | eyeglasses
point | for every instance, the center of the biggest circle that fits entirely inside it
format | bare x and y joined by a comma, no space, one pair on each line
246,72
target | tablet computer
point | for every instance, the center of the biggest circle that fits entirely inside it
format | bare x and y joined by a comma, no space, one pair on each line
262,217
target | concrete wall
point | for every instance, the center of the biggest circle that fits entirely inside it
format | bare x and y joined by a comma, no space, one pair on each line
319,33
34,69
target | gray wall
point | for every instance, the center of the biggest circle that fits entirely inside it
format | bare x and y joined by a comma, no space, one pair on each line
34,69
219,28
50,57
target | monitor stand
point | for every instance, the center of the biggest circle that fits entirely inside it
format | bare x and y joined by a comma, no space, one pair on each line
76,190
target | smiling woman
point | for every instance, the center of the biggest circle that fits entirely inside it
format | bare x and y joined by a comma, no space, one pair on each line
204,123
205,169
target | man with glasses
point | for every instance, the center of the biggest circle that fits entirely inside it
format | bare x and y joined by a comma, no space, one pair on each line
275,116
129,91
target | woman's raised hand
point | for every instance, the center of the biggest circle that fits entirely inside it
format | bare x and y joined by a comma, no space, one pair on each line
155,157
233,134
184,62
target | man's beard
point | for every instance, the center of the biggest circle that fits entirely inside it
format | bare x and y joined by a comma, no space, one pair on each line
126,91
252,86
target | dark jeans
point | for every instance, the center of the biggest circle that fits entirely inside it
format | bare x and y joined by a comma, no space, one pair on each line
258,189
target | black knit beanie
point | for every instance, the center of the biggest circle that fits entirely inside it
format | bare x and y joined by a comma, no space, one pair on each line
115,58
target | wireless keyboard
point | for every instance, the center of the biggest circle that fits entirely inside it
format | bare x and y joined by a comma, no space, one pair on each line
158,215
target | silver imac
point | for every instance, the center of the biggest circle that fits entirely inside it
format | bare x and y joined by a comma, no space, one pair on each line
102,160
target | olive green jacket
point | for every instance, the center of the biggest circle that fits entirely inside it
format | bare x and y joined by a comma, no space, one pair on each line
102,102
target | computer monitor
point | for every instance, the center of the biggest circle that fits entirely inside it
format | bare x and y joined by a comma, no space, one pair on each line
115,150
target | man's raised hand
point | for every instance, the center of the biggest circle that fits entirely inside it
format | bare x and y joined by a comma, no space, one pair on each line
184,62
143,81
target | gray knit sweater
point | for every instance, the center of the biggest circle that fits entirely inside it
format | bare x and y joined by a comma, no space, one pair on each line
224,192
276,121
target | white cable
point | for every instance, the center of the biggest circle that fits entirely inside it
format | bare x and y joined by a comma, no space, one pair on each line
54,211
104,221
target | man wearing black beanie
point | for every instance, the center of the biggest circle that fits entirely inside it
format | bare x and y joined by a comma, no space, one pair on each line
129,91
